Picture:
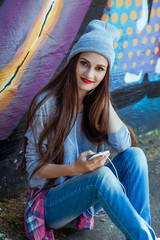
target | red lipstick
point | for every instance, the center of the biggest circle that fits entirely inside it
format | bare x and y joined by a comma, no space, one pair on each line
86,80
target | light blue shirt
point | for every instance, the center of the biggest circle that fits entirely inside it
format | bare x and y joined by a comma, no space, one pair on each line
75,143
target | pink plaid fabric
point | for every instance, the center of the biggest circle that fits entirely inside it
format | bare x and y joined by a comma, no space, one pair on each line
34,218
85,222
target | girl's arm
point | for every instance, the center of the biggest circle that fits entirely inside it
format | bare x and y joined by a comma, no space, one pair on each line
80,166
115,122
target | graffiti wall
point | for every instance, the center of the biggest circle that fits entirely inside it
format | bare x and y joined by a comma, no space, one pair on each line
136,72
35,38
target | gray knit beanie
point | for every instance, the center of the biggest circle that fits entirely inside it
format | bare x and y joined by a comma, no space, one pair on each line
99,37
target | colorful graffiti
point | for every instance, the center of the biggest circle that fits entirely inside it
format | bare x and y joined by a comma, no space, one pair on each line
37,35
136,71
34,41
13,71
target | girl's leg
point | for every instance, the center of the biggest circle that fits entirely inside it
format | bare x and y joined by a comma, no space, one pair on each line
132,169
68,200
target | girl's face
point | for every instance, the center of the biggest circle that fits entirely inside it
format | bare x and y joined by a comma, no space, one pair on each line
90,71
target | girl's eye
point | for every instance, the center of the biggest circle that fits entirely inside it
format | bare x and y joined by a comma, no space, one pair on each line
83,63
100,69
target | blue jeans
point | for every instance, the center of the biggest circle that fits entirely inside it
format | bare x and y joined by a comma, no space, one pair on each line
130,212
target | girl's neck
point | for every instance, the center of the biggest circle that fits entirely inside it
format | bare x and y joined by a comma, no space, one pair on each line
80,98
80,108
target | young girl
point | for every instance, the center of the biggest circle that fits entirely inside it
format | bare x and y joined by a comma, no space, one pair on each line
70,119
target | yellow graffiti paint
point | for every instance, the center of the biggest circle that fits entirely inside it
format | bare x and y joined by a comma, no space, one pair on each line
115,45
156,50
133,64
138,31
129,31
110,3
148,28
124,18
138,53
144,40
114,17
135,41
153,40
130,54
120,55
151,61
125,66
148,52
119,3
152,12
105,17
128,3
158,12
12,73
138,2
121,32
133,15
125,44
156,27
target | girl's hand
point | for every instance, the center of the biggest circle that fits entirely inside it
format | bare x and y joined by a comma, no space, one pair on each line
82,165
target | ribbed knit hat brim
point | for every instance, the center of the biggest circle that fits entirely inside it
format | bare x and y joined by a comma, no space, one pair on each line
99,37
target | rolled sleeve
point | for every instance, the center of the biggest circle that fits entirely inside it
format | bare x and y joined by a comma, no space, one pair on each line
120,140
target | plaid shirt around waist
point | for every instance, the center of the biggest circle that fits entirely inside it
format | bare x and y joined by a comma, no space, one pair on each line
34,218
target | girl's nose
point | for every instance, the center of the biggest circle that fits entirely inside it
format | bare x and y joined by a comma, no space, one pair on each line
89,73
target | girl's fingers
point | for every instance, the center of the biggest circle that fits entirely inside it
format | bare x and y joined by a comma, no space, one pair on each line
97,159
86,154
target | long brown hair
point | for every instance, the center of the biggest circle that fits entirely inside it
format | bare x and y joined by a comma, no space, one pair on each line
62,118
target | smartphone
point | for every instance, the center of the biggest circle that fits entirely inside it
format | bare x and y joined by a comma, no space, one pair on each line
97,155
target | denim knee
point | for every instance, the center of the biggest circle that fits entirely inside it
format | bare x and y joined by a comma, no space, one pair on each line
105,177
136,158
103,172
